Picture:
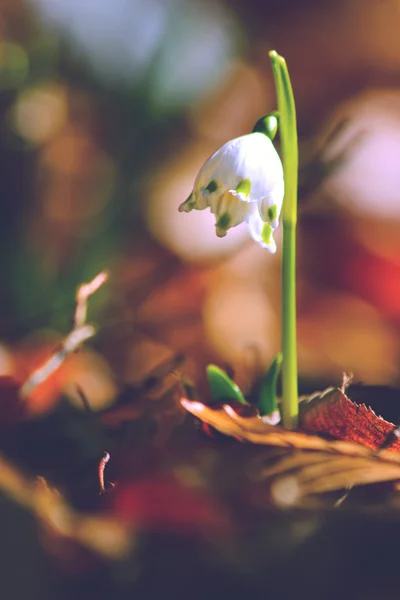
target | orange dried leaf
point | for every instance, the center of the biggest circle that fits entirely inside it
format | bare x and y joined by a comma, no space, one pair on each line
319,472
332,412
256,430
333,465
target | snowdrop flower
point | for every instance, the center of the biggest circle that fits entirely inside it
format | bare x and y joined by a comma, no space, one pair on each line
242,182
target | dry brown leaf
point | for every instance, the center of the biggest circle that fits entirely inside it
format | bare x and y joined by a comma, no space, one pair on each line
332,412
332,465
324,472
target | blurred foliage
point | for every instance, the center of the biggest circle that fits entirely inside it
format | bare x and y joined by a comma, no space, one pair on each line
80,126
107,111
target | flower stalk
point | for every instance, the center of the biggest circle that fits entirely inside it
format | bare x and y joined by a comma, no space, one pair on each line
288,136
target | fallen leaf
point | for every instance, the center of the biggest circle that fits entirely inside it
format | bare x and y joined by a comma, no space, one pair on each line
319,472
332,412
333,464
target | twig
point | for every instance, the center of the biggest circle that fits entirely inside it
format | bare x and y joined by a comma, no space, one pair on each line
84,400
82,295
102,466
79,334
347,378
343,497
71,343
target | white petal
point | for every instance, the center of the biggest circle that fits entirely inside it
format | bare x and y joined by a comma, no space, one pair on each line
256,226
229,210
188,205
258,161
274,198
206,175
201,200
196,201
252,157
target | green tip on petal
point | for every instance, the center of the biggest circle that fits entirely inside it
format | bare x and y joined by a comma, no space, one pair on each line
187,206
212,187
267,404
244,187
222,386
272,212
268,125
223,221
266,234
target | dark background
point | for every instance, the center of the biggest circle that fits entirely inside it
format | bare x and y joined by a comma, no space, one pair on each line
107,111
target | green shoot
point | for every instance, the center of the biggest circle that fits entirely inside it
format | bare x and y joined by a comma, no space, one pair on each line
267,404
222,387
288,135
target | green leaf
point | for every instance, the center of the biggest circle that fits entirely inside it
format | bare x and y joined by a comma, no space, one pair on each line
222,386
267,403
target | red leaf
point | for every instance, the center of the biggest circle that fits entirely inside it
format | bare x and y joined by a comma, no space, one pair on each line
332,412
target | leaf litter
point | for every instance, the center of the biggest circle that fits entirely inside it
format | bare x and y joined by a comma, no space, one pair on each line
309,462
354,446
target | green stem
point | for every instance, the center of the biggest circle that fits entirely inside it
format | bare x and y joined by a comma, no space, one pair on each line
288,135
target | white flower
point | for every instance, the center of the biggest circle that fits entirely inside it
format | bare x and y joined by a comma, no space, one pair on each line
242,182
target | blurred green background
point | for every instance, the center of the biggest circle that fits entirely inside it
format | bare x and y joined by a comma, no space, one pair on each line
108,108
